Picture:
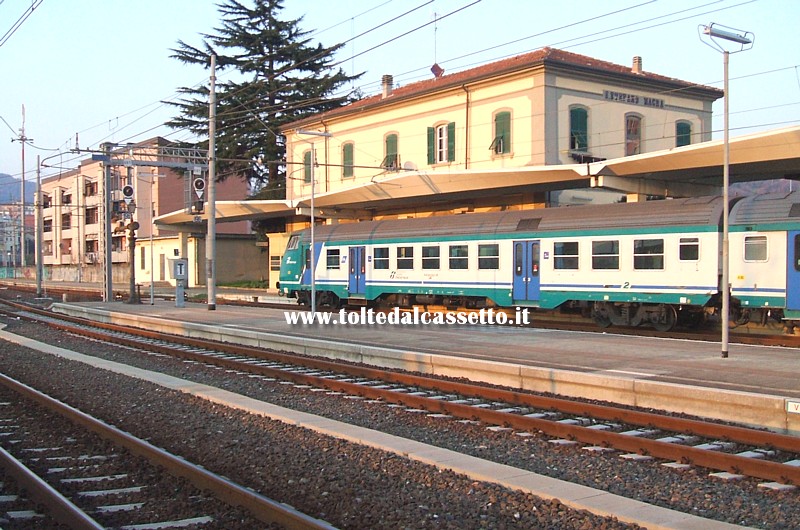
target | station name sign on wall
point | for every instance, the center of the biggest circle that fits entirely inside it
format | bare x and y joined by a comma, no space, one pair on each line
633,99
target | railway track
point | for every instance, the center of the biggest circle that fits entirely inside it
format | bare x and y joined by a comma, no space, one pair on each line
89,475
731,450
770,335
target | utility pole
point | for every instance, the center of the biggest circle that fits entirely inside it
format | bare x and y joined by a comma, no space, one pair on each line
23,140
211,241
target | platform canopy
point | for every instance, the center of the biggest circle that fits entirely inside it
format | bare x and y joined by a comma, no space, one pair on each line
679,172
697,169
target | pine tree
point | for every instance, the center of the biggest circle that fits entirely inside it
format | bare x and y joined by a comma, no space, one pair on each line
281,77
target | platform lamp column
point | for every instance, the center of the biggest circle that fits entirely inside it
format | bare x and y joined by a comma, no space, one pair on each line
313,240
745,40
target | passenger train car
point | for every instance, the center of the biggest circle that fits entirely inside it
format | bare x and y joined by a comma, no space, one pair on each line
655,262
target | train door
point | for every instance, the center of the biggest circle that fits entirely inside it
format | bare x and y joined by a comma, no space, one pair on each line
526,270
793,271
357,282
306,278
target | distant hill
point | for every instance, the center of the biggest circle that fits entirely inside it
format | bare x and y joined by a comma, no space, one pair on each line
10,190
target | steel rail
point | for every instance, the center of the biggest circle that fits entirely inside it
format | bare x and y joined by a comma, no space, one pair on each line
262,508
759,468
56,505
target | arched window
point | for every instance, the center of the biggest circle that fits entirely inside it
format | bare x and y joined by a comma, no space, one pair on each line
391,158
442,143
501,144
578,129
683,133
633,134
347,160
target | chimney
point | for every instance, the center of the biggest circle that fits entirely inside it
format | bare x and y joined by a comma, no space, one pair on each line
386,84
637,64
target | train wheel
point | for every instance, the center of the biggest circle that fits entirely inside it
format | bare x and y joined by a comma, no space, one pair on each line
668,320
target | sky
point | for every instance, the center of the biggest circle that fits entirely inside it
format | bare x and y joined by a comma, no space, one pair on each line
100,69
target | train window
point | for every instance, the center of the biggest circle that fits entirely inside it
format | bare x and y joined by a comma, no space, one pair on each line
380,258
489,256
648,254
459,257
605,254
565,255
405,257
689,249
332,258
430,257
755,248
293,242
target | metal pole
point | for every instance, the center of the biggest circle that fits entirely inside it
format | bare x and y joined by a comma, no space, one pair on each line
152,263
313,240
38,241
23,139
211,241
108,288
726,288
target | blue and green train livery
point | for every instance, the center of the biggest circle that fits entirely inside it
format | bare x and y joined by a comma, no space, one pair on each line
655,262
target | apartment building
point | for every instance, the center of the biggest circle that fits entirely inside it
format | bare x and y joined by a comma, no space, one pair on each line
73,223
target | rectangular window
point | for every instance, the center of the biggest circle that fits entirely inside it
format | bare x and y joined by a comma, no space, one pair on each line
90,189
755,248
142,264
66,198
47,225
689,249
605,255
441,143
294,241
332,258
459,257
275,263
405,257
430,258
380,258
565,255
91,216
489,256
648,254
66,220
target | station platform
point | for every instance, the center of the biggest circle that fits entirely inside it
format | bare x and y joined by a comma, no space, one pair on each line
755,385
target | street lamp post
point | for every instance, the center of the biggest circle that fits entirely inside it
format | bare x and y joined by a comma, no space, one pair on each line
313,241
745,42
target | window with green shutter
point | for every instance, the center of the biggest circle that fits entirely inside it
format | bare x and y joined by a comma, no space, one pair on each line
391,160
502,133
578,129
347,160
307,167
683,133
442,143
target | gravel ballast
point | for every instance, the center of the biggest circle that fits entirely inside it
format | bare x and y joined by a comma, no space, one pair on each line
356,487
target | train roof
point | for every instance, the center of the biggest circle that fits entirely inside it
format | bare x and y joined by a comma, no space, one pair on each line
702,211
767,208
